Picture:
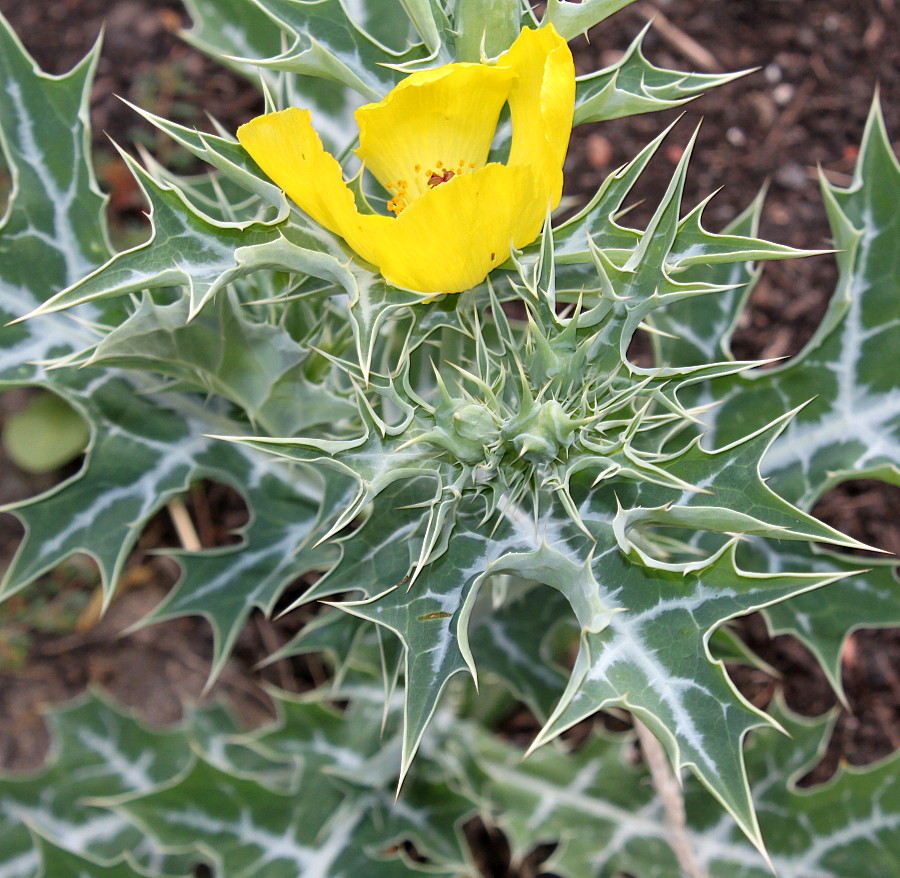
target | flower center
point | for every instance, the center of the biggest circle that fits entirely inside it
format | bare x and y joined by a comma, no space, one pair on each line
404,193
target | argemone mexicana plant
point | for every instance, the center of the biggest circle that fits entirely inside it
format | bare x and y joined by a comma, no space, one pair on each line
417,377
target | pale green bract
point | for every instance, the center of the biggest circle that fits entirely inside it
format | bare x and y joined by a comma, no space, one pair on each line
482,493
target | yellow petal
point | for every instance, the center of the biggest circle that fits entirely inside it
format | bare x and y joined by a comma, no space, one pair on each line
287,148
542,104
445,115
448,240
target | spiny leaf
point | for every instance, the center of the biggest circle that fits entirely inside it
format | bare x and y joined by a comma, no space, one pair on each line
431,616
851,429
591,803
56,209
823,621
239,34
331,632
250,830
594,804
127,475
57,860
372,303
596,227
634,85
510,641
326,42
597,804
376,460
54,229
224,154
652,660
131,471
184,248
596,222
731,477
698,331
225,585
97,752
257,365
425,618
144,449
571,19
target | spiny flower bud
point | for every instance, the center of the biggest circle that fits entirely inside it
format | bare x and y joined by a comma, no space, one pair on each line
540,430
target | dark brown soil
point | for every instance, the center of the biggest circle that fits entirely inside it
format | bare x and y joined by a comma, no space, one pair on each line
819,63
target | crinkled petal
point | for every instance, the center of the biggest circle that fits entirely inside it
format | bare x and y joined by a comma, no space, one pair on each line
450,239
445,115
542,104
288,149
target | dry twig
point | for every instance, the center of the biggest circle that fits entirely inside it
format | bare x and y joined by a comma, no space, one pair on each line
184,527
679,40
669,791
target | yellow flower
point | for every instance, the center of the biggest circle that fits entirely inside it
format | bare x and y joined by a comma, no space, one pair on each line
427,142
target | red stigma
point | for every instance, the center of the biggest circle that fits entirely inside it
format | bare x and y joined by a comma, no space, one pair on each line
442,177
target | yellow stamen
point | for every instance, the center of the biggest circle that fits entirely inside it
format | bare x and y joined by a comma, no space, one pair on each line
395,205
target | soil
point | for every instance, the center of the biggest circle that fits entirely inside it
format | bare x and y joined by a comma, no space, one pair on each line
818,63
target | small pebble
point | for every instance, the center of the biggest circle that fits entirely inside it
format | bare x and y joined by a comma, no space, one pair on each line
674,153
807,37
779,215
791,176
599,151
735,136
783,93
772,74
